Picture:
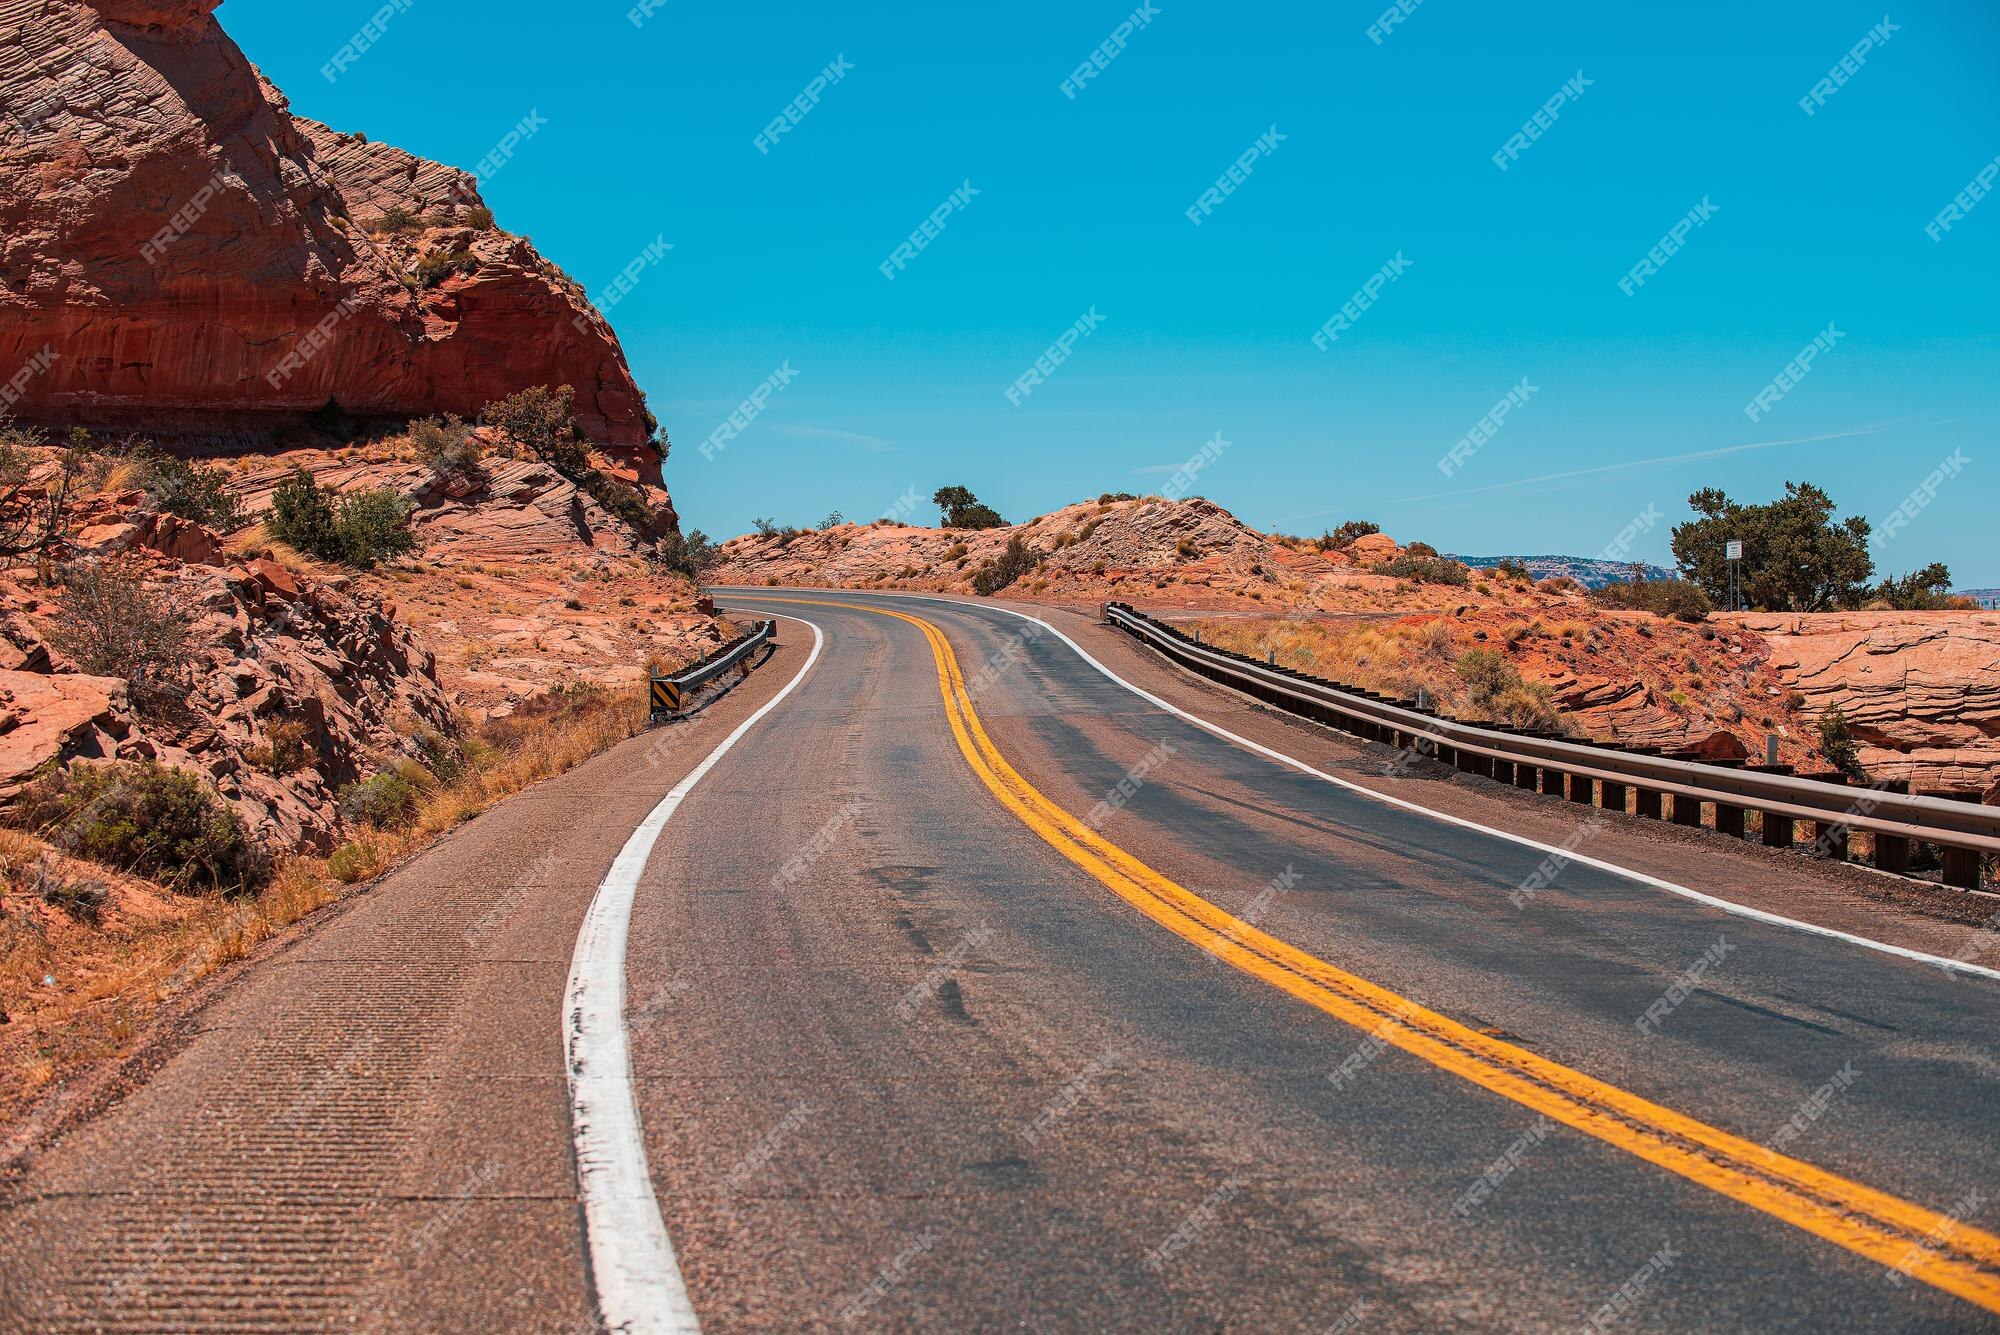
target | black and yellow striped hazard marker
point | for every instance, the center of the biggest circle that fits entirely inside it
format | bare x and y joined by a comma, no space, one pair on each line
666,695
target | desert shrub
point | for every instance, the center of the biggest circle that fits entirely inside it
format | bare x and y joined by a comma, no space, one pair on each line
112,625
1836,742
448,448
1423,569
1187,549
1421,549
619,497
544,420
439,265
1678,598
1926,590
1110,496
146,819
1339,539
834,520
1495,690
1004,569
964,510
688,554
766,528
83,900
1512,567
955,552
388,800
356,529
479,217
440,755
397,221
286,749
350,863
199,492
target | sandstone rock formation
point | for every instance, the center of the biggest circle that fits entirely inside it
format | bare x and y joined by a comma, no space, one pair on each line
178,252
346,679
1921,690
521,584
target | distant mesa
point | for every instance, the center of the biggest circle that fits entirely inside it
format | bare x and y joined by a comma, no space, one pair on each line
1590,571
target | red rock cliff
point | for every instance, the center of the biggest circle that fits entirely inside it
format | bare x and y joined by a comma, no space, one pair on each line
196,258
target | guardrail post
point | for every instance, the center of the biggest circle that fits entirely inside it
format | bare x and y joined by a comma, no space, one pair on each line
1582,788
1829,837
1775,831
1552,782
1892,852
1729,817
1611,796
1961,865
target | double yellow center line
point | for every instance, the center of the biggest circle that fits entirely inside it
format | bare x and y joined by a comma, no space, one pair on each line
1907,1238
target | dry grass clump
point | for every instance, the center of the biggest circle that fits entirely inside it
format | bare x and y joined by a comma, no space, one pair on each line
1396,658
116,953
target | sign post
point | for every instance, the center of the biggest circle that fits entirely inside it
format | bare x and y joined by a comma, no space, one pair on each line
1732,551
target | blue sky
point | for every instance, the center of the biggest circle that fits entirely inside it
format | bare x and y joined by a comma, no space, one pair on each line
1387,151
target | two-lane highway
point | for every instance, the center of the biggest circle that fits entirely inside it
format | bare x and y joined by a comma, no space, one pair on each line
935,979
954,1059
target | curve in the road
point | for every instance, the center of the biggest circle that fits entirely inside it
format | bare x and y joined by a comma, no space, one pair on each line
633,1268
1929,1246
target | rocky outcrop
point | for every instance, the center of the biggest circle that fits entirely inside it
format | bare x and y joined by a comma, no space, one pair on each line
299,688
1182,553
44,718
179,253
1921,690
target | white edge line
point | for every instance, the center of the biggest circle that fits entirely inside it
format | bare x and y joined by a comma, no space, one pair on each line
638,1280
1950,966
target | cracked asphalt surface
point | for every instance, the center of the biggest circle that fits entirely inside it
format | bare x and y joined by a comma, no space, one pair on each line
904,1067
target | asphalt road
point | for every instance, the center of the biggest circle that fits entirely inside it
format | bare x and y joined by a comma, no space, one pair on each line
905,1063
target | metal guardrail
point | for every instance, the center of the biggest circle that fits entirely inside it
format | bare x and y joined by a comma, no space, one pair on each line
669,690
1963,830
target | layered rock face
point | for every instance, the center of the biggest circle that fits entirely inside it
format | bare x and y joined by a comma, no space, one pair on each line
315,662
179,253
1921,690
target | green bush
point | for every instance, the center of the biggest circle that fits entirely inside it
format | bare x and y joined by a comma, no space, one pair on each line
1339,539
199,492
357,529
1512,567
1003,570
1837,744
1926,590
387,801
1423,569
397,221
544,421
619,497
688,554
479,217
1678,598
114,626
1110,496
964,510
439,265
349,863
448,448
146,819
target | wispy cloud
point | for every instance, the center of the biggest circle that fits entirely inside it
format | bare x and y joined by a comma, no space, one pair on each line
860,440
1162,468
1628,465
